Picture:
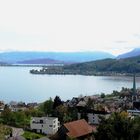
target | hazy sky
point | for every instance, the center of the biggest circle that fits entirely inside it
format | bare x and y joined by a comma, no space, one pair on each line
70,25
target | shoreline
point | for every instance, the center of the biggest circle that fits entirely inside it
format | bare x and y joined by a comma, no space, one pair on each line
49,72
57,69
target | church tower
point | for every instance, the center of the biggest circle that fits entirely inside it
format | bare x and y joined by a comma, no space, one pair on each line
134,93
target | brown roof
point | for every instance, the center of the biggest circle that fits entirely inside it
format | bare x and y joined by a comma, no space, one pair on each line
78,128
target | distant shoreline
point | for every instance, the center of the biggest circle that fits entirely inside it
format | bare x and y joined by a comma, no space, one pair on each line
68,72
61,71
29,65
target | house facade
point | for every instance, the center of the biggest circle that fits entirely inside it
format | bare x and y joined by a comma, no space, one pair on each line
45,125
92,116
133,113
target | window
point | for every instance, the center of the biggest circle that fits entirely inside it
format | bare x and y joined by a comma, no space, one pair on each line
41,121
50,125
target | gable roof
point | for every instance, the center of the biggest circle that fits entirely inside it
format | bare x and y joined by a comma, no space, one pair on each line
78,128
81,103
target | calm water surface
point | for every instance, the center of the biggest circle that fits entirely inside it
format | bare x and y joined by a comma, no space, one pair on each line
17,84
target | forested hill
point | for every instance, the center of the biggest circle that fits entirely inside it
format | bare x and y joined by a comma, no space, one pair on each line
127,65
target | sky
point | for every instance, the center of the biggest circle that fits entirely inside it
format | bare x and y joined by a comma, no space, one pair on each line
70,25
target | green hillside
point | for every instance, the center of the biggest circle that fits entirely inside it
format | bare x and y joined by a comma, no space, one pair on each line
128,65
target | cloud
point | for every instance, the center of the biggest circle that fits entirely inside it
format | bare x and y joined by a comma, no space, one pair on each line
137,35
62,25
121,41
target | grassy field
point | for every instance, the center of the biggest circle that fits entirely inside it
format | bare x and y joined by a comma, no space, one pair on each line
30,135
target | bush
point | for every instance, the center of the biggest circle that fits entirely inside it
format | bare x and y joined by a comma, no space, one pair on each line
30,135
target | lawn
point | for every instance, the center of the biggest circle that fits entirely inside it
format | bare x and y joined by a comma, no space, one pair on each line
30,135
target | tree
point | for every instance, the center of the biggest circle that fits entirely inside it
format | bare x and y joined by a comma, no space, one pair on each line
18,119
61,112
57,102
90,103
102,95
73,113
4,130
48,107
32,112
6,114
135,130
118,127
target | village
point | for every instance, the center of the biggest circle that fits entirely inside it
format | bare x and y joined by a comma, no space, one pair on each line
78,118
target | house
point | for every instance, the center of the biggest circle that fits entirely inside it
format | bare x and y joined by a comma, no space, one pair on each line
82,103
79,130
73,102
92,116
1,110
15,107
95,117
2,105
32,105
136,105
45,125
133,113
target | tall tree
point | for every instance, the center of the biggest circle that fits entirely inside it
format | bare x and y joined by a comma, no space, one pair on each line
6,114
48,107
57,102
118,127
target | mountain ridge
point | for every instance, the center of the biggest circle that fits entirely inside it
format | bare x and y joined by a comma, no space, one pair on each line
132,53
16,57
42,61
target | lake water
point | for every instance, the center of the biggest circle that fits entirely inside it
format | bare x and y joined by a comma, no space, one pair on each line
17,84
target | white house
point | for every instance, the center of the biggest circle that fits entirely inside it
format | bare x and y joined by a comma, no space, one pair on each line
92,116
46,125
133,113
95,118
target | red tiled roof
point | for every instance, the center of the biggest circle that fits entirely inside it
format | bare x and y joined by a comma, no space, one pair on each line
78,128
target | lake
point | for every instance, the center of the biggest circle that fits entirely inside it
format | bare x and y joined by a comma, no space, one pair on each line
17,84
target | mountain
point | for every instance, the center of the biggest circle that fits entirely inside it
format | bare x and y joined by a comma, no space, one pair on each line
16,57
3,63
134,52
127,65
41,61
